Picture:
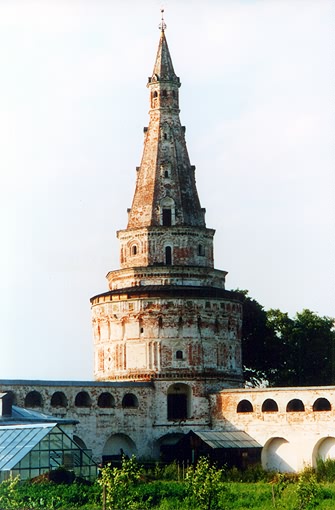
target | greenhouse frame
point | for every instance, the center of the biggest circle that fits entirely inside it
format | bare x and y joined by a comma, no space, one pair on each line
30,450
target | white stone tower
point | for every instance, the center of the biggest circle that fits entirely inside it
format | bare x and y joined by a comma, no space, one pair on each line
167,316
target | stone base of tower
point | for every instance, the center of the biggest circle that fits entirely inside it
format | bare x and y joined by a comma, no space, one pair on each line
168,332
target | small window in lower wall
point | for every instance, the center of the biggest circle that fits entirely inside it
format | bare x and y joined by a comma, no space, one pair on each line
322,404
129,401
58,399
106,400
244,406
33,399
295,406
269,406
82,399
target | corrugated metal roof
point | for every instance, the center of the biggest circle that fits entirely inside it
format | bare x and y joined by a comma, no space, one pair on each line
23,415
17,440
232,439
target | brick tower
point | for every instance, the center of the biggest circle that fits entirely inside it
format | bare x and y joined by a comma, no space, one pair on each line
167,316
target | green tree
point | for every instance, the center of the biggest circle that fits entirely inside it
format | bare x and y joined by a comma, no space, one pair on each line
284,351
259,349
306,348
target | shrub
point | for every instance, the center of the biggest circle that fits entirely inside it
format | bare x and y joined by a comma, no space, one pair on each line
204,484
308,491
325,470
8,494
118,482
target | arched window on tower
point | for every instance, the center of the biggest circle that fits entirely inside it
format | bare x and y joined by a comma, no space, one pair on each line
167,212
167,217
154,99
168,255
179,355
201,250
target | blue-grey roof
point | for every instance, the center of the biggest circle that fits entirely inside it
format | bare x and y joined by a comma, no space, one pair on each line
21,415
233,439
93,384
18,440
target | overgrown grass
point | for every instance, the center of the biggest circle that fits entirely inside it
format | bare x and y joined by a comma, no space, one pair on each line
163,488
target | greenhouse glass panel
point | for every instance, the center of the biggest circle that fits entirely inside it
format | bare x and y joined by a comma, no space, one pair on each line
38,448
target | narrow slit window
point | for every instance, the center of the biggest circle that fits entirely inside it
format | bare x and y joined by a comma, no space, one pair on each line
168,256
179,355
167,217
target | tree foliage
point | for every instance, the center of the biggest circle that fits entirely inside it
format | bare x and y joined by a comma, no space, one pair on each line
284,351
204,484
117,483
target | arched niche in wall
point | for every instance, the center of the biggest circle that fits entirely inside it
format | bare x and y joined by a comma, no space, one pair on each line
278,455
244,406
167,448
59,399
79,442
129,401
106,400
179,402
118,445
269,406
33,399
295,406
323,450
322,404
82,399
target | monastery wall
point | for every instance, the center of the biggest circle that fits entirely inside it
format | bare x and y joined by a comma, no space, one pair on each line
295,426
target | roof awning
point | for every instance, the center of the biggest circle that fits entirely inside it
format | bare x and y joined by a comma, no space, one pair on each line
233,439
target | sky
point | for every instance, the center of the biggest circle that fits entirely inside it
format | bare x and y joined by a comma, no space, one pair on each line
257,100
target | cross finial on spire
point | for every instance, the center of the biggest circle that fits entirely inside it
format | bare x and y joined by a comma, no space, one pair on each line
162,25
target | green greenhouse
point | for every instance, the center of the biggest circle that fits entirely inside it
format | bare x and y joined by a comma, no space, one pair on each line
32,444
30,450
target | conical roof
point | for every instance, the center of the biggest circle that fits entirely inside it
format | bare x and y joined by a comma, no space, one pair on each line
165,178
163,68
